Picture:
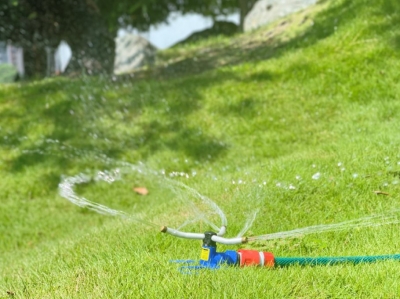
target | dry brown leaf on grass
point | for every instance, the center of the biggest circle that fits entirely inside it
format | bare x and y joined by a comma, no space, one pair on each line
141,190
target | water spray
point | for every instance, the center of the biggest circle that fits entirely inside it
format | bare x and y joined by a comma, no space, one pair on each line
211,259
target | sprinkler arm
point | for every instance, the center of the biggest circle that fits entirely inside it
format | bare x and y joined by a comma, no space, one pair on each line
197,236
222,231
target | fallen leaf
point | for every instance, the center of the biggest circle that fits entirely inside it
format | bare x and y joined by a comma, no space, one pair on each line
380,193
141,190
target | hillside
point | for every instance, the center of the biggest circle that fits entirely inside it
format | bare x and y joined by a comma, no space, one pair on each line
295,125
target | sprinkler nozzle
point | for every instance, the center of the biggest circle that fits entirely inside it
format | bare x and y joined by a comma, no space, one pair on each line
164,229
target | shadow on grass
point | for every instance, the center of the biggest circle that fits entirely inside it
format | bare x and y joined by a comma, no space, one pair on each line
248,108
68,124
390,11
65,125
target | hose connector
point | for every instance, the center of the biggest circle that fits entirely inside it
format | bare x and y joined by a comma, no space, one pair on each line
255,258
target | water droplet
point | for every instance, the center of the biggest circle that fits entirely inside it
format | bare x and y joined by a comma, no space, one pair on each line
298,177
339,164
291,187
316,176
355,175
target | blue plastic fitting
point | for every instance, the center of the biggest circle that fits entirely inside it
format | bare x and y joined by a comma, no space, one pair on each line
210,258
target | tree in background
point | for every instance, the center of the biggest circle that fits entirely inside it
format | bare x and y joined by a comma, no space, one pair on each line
141,14
89,26
40,25
215,8
244,7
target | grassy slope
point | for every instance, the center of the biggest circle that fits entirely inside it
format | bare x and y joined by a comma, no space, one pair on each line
287,100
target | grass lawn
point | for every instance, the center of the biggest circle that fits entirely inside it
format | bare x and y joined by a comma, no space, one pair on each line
297,121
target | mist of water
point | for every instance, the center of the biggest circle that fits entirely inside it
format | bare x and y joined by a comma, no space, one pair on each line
249,222
186,194
66,190
202,208
391,217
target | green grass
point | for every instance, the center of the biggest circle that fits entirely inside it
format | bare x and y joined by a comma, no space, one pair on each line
249,117
8,73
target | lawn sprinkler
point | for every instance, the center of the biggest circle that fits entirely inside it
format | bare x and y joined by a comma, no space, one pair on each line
211,259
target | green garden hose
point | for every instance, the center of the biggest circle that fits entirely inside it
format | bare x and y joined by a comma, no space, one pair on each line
314,261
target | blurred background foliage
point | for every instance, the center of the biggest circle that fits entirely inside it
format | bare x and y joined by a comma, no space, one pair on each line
90,26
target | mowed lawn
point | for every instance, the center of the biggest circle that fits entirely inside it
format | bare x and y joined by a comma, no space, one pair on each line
296,123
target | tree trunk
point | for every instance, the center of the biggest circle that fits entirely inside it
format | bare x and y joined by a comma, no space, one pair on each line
35,61
244,7
243,11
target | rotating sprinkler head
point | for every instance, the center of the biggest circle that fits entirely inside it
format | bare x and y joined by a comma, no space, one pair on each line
211,259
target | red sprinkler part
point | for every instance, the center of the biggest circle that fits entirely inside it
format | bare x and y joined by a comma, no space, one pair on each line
255,258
